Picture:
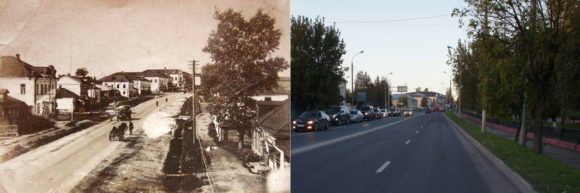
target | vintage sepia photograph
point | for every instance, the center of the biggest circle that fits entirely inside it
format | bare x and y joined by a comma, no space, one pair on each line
145,96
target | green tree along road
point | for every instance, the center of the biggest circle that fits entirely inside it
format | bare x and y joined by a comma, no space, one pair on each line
316,51
520,60
242,65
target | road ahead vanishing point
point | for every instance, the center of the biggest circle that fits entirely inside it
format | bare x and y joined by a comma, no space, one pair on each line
60,165
424,153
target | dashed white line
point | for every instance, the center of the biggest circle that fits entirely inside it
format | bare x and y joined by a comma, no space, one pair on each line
383,167
417,132
407,142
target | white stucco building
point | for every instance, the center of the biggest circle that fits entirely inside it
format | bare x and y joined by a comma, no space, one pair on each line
35,86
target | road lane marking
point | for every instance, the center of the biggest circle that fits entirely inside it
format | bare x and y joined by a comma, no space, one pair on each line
383,167
296,151
417,132
421,126
407,142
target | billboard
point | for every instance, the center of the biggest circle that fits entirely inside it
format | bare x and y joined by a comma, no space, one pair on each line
401,88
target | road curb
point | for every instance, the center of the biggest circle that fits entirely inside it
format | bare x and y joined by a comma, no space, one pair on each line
520,183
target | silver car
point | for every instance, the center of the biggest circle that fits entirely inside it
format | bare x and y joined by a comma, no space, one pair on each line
356,116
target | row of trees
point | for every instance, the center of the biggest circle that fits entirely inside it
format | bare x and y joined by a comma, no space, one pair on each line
520,60
376,90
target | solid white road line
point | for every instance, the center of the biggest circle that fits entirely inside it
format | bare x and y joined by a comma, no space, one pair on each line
407,142
383,167
296,151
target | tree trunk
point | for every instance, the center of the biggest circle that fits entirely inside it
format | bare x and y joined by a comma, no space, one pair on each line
562,118
523,131
538,126
483,120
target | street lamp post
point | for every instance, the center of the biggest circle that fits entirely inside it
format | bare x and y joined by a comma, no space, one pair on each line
352,78
450,78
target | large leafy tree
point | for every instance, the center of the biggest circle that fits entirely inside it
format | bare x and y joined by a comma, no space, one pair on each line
536,32
316,51
242,65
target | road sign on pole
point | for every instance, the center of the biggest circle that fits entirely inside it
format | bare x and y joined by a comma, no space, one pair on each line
401,88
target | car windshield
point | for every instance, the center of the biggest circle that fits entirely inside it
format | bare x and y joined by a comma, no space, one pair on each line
375,110
308,115
365,108
353,112
383,110
333,110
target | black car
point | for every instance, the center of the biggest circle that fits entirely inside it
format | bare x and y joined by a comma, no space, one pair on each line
368,112
311,121
394,113
339,115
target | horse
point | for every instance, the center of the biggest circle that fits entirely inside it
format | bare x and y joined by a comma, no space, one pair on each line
113,133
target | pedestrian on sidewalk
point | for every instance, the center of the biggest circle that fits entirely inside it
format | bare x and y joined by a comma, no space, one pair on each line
130,128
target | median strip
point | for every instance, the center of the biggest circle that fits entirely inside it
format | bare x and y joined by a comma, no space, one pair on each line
380,170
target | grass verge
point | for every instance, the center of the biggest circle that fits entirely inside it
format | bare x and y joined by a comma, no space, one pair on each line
543,173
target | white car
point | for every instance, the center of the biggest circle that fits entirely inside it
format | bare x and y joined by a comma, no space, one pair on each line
356,116
385,113
408,112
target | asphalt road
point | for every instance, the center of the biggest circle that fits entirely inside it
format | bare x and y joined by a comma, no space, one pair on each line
424,153
60,165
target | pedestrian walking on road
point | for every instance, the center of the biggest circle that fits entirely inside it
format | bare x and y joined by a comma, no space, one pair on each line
130,128
156,103
165,99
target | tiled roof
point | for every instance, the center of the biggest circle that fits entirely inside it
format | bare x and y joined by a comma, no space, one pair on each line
10,101
121,77
154,73
12,66
64,93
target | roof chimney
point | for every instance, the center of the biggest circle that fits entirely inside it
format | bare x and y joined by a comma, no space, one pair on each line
18,56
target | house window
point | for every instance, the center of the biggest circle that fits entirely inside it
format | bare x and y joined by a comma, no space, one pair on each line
117,86
124,86
22,88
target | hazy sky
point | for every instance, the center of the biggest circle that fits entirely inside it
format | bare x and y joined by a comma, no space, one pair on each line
415,51
106,36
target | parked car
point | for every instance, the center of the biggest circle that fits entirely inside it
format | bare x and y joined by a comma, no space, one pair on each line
311,121
339,115
356,116
384,112
394,113
378,113
368,112
408,112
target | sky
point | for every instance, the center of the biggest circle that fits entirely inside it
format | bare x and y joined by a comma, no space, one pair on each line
107,36
415,51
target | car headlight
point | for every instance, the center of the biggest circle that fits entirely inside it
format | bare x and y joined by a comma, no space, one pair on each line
310,122
294,122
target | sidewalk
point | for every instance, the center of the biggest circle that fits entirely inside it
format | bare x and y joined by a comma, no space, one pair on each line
226,170
565,156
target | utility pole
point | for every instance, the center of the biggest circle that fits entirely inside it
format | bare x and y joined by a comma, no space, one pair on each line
193,126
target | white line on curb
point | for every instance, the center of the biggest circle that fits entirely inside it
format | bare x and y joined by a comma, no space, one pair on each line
383,166
407,142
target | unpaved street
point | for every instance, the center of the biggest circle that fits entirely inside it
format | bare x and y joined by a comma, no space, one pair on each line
62,164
